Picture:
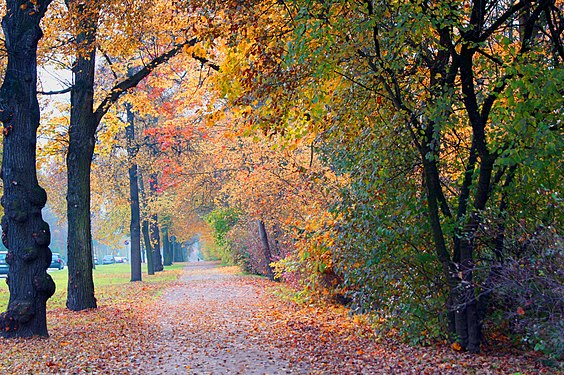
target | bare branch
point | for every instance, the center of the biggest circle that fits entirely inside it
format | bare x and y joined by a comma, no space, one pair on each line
58,92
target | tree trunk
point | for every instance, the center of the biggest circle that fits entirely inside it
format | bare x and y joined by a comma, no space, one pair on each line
265,249
148,248
134,226
82,130
156,244
172,249
25,233
470,329
80,284
154,228
167,251
177,251
145,228
83,124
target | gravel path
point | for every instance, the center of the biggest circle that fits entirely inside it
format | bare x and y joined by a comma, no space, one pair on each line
212,322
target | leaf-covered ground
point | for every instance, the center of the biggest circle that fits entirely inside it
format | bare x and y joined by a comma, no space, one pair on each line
216,321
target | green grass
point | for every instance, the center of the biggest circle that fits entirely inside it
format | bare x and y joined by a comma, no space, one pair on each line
106,279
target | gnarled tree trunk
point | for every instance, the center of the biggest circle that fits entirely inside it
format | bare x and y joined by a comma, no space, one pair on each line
25,233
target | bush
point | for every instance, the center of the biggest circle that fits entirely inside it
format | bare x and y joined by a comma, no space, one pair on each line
530,292
221,220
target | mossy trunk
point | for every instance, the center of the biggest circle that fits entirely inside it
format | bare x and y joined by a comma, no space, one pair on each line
25,233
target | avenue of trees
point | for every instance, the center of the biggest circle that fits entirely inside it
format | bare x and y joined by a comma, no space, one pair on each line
402,157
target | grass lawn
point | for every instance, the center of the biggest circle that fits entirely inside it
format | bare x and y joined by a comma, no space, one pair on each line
111,282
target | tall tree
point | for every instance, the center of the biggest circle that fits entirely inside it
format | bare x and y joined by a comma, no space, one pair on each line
24,232
265,248
135,226
167,248
154,227
82,130
84,122
441,104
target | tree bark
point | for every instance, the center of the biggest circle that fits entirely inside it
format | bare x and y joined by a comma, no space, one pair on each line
82,130
156,243
173,248
145,228
154,228
265,249
167,253
134,225
148,248
25,233
177,250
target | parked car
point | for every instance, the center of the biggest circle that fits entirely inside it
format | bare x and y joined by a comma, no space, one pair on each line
121,259
57,261
3,264
96,260
108,259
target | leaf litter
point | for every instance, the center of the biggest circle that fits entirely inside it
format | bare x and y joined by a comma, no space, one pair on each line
214,320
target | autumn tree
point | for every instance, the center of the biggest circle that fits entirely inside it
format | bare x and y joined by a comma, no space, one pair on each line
135,208
433,113
24,232
84,122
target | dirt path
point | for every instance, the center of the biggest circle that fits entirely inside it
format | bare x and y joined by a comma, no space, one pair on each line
210,325
216,321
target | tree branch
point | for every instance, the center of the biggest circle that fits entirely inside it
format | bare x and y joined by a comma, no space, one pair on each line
58,92
133,80
109,61
205,61
504,17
